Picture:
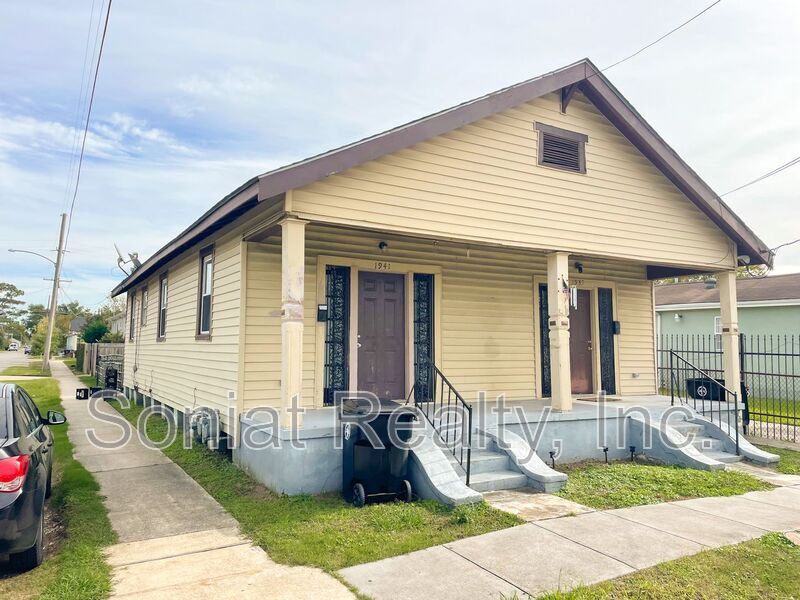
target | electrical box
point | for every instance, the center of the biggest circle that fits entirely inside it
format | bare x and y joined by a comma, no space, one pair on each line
616,327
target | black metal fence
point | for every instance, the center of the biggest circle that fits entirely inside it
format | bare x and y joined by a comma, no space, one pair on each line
770,366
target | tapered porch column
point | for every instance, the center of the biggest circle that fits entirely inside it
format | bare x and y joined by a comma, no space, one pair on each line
558,317
729,320
293,245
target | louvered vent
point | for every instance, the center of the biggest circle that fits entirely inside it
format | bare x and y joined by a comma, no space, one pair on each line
561,152
562,148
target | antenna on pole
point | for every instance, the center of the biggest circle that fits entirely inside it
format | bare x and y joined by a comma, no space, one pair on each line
133,260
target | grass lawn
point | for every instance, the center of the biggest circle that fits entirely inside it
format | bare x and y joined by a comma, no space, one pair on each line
761,569
75,569
621,484
790,460
770,410
34,367
324,531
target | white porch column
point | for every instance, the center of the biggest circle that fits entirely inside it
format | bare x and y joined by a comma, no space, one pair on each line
729,320
558,317
293,245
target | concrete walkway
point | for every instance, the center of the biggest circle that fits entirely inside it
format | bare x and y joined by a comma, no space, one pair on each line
562,553
176,541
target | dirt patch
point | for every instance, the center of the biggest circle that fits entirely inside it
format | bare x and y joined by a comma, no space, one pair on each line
55,531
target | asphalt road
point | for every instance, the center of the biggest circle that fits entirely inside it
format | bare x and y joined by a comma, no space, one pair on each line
9,359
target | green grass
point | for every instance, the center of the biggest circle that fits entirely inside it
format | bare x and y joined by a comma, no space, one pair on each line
77,570
762,569
790,460
774,406
621,484
324,531
34,367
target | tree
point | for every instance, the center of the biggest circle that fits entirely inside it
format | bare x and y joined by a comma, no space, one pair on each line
33,314
40,334
112,338
10,304
94,331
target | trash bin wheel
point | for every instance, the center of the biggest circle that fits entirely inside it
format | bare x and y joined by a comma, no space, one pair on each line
359,495
405,491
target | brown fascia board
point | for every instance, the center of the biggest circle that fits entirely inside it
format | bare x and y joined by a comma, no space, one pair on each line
592,83
633,126
231,206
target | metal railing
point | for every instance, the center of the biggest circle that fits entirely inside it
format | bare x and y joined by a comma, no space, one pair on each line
708,396
448,413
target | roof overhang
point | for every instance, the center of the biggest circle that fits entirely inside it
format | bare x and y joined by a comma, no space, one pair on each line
582,74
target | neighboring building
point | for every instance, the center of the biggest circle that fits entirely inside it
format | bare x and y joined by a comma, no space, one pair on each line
76,325
117,322
460,239
767,306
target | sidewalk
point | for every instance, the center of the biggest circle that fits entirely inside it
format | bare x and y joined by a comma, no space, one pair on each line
562,553
176,541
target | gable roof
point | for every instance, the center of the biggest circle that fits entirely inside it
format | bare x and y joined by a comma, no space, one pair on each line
582,75
775,287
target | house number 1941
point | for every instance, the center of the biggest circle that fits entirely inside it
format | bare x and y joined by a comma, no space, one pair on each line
383,266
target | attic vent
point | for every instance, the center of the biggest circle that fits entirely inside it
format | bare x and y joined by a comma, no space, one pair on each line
561,148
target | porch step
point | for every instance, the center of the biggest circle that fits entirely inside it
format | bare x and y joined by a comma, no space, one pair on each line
723,457
687,428
485,461
707,444
497,480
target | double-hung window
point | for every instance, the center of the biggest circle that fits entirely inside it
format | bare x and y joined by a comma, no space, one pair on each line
718,333
132,332
204,292
143,318
162,307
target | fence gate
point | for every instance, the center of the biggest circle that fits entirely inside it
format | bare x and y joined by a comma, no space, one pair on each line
770,366
108,371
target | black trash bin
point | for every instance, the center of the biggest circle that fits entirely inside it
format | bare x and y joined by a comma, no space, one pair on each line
370,472
703,388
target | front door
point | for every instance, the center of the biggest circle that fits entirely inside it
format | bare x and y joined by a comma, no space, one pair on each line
580,344
381,334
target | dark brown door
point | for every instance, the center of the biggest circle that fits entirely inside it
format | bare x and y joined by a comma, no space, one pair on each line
381,335
580,344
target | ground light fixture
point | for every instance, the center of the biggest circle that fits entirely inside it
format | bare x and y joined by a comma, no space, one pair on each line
605,451
553,458
633,452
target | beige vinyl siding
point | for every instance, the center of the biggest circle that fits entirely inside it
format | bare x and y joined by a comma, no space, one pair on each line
182,371
481,182
487,314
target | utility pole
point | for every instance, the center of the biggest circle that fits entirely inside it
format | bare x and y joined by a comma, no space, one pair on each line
54,296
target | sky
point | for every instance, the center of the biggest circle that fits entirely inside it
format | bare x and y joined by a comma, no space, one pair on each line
195,97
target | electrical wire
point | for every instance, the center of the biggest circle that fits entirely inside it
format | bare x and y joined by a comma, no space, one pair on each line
666,35
86,125
776,248
775,171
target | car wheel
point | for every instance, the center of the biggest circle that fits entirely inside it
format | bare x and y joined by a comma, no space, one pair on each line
359,495
32,557
48,487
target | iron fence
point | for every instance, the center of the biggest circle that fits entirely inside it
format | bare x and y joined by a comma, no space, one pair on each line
770,367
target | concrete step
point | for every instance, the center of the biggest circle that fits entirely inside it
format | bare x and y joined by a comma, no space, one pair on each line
705,443
687,428
723,457
497,480
483,461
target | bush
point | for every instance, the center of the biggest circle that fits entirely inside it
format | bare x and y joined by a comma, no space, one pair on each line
79,356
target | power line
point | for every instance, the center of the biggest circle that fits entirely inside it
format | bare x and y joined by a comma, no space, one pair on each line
88,118
666,35
776,248
783,167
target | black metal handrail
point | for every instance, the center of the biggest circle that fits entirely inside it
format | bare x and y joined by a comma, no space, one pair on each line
705,386
448,413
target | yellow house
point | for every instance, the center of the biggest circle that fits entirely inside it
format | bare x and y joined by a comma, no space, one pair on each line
511,242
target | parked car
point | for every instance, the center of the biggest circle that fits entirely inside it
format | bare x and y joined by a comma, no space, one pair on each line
13,346
26,471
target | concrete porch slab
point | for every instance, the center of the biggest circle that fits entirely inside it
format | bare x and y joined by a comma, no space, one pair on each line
532,505
707,530
536,560
420,575
749,512
635,545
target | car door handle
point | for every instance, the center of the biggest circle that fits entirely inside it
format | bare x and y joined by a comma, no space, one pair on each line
45,450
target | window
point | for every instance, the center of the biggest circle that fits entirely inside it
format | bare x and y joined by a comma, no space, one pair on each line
561,148
204,289
162,307
133,317
718,333
143,318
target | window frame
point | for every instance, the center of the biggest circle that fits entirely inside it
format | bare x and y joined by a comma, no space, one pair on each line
205,259
132,322
163,296
144,302
573,136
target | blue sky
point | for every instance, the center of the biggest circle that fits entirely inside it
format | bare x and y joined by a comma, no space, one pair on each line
196,97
